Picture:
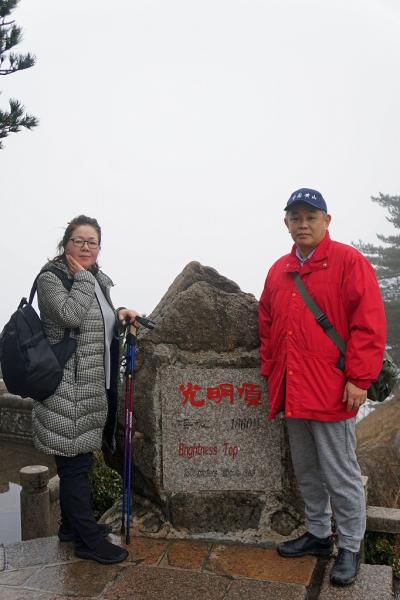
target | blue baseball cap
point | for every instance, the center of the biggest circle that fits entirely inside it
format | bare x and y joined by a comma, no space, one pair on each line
307,196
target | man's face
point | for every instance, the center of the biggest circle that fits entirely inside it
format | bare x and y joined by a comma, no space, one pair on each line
307,226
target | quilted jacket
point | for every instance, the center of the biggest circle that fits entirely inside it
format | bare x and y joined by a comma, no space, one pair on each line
72,420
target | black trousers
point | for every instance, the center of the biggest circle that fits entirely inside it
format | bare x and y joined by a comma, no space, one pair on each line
75,500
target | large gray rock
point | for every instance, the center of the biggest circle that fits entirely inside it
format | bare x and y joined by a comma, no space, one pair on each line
204,454
378,451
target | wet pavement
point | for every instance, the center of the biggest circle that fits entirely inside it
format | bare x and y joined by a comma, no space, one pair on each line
13,457
45,569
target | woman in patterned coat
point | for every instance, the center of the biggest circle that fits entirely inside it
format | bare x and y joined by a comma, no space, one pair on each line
81,414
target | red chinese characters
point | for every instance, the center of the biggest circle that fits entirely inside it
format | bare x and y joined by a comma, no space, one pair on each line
223,390
189,395
252,394
192,394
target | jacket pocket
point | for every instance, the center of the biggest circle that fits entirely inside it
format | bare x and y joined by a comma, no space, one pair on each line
323,386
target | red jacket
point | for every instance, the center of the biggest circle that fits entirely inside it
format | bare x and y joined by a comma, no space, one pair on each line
297,356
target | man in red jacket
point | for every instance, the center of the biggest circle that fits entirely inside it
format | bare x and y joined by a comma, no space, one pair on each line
319,390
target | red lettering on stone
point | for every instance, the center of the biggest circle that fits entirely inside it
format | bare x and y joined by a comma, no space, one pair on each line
189,395
221,391
252,394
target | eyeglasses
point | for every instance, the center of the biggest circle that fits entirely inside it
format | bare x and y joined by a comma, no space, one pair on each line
79,243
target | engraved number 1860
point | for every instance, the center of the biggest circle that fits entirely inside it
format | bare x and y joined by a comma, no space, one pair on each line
242,424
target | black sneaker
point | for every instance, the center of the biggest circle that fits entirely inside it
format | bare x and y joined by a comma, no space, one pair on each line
307,544
105,553
65,535
345,569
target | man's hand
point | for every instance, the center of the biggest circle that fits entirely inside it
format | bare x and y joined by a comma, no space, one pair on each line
354,396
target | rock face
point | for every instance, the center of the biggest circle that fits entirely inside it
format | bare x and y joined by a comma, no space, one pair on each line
204,454
378,451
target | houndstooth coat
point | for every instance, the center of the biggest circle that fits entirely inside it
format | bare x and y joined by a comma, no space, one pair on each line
71,421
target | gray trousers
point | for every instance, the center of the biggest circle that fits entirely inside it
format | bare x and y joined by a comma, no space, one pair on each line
329,478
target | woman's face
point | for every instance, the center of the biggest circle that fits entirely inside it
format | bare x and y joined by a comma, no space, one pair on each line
87,253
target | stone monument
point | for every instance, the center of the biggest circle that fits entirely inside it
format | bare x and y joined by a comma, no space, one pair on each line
207,462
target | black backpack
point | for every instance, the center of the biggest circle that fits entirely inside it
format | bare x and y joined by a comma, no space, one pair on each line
31,366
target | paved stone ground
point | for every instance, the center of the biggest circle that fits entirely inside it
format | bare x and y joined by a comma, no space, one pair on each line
44,569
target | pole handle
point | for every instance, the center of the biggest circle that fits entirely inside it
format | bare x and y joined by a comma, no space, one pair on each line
145,322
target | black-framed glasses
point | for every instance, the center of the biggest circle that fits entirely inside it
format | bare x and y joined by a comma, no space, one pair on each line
79,243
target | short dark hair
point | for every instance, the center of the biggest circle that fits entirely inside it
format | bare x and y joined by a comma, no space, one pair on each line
72,225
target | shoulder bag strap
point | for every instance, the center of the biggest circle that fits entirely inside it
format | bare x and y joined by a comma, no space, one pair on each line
320,317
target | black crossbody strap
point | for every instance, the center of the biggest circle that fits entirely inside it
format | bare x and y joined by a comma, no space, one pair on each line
67,283
320,317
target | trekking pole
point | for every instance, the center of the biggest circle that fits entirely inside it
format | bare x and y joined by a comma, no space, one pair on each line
131,345
124,474
129,363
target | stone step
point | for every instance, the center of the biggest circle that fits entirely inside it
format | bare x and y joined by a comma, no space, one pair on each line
374,582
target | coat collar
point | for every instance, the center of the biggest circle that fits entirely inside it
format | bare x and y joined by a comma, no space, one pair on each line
104,280
319,260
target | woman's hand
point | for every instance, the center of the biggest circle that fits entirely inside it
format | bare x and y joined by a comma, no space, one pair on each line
73,265
127,315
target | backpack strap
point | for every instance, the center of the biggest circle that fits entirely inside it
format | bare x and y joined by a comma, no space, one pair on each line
320,316
66,281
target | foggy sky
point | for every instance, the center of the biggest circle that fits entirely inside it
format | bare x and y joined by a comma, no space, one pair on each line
184,126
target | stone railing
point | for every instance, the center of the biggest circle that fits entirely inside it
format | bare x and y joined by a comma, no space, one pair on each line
40,502
383,520
379,518
15,416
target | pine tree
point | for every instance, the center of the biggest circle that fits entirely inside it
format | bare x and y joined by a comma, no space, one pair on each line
385,258
13,119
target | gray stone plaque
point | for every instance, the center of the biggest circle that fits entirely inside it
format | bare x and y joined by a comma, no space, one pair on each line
215,433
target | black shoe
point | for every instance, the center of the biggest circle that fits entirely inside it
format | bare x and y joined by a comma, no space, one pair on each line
105,553
345,569
64,535
307,544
